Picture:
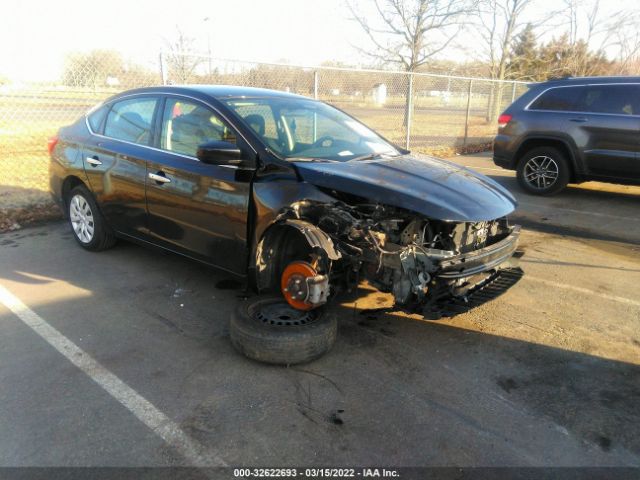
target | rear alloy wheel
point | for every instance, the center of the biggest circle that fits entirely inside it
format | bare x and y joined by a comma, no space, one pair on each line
87,224
543,171
268,329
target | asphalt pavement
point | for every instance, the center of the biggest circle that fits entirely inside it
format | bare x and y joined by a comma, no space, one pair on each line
122,358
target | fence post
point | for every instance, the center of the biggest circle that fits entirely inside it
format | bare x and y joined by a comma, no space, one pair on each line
513,93
466,118
315,84
163,70
409,111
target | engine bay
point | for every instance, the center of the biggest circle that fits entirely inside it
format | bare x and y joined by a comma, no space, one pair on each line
416,259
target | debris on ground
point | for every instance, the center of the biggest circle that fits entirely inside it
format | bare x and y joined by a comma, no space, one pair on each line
12,219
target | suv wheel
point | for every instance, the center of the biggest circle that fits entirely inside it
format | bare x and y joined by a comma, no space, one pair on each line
543,171
87,224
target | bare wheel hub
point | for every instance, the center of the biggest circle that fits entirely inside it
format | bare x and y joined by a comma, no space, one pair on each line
302,287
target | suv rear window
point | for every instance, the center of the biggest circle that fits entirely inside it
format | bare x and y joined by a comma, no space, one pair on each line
612,99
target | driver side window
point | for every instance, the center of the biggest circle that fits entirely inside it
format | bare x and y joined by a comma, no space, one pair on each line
187,124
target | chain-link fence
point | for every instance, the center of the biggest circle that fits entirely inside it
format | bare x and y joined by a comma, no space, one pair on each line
426,113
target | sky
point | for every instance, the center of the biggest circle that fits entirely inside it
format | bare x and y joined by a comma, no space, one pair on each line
36,35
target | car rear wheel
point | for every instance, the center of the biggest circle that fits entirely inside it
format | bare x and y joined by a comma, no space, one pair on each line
266,328
87,224
543,171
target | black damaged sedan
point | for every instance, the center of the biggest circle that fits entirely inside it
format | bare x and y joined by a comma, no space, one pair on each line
294,195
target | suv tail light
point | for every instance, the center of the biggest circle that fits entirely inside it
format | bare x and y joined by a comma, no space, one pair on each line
503,120
51,144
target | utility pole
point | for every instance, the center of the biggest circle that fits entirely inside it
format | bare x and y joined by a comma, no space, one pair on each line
205,20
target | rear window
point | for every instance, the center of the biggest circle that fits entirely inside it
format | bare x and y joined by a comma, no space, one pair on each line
611,99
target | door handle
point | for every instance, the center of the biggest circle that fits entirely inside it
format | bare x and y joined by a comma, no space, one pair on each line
94,161
578,120
159,177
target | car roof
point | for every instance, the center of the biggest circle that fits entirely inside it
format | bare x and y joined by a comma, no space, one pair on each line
215,91
588,80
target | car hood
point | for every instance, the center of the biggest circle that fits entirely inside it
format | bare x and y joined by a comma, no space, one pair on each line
435,188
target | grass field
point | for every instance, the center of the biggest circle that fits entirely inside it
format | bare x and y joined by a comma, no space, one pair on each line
27,122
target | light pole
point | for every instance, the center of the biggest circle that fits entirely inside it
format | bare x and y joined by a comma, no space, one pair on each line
205,20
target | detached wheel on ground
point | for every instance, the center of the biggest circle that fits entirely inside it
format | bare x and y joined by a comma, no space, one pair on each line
543,171
266,328
87,224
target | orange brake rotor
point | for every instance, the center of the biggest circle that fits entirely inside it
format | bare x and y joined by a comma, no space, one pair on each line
294,285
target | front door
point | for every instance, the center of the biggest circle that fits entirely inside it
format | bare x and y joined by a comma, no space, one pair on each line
194,208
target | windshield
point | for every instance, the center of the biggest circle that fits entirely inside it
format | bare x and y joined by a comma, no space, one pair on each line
300,129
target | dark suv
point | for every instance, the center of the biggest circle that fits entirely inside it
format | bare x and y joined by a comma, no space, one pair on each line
572,130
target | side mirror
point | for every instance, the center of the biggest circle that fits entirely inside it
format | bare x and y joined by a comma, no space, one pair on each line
219,153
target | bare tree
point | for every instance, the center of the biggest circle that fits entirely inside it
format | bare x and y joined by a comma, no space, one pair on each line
408,33
180,57
92,69
628,45
499,24
600,33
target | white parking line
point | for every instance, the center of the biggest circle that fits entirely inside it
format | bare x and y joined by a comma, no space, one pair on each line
146,412
606,296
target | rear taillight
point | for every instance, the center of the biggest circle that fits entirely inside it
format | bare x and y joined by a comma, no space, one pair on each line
503,120
51,144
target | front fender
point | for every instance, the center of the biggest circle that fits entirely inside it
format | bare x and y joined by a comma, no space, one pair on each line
317,238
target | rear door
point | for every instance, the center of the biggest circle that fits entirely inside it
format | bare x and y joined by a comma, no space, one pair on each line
115,162
194,208
611,126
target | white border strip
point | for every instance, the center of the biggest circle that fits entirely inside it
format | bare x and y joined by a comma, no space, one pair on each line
146,412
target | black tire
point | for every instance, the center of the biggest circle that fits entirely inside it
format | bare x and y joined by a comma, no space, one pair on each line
541,186
102,236
267,329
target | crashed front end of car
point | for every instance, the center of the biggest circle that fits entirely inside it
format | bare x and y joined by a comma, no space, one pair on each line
420,261
433,234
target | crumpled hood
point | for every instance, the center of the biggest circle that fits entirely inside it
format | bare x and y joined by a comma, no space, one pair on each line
435,188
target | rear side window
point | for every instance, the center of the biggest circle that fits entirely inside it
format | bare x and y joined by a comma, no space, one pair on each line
97,117
613,99
130,120
560,99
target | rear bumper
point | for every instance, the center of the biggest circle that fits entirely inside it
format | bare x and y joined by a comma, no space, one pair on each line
502,155
479,261
503,162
